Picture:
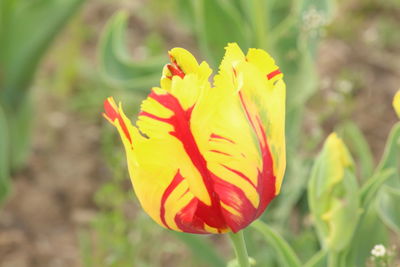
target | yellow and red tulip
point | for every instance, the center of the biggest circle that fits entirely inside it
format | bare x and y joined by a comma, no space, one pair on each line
206,159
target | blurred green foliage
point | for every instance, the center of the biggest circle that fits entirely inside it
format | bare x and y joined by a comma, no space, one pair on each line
26,31
4,165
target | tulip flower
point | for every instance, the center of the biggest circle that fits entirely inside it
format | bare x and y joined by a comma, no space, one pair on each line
202,158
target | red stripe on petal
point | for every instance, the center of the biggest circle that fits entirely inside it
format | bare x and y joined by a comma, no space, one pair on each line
272,74
238,173
187,221
152,116
216,136
175,71
175,182
220,152
174,68
113,114
235,198
266,178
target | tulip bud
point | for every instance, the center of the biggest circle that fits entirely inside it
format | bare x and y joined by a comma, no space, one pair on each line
396,103
333,196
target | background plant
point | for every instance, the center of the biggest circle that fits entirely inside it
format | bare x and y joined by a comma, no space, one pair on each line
22,46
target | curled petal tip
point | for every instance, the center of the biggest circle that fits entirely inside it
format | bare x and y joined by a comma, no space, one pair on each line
114,115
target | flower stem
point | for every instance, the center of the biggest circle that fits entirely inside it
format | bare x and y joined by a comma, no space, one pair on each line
333,260
239,246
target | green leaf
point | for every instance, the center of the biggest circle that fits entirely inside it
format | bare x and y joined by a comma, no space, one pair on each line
388,207
4,157
391,156
359,147
218,22
287,256
27,28
370,231
370,189
281,14
201,249
20,128
116,65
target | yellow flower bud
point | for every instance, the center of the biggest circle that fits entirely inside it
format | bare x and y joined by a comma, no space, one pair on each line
396,103
332,195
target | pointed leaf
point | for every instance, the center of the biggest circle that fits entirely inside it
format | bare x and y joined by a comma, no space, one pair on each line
218,22
117,66
29,27
287,256
373,185
358,145
388,207
370,231
391,156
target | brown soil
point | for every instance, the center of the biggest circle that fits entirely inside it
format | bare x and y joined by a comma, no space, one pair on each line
52,197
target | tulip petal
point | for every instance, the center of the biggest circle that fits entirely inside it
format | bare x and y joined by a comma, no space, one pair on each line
260,81
182,64
237,140
265,63
117,117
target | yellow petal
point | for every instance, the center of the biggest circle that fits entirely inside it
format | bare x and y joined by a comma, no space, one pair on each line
182,64
260,82
117,117
265,63
337,159
229,127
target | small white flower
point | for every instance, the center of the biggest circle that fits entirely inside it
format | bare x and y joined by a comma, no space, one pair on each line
378,251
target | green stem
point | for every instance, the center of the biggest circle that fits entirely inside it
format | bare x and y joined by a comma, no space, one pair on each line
239,246
286,254
260,23
333,260
290,20
198,8
256,14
